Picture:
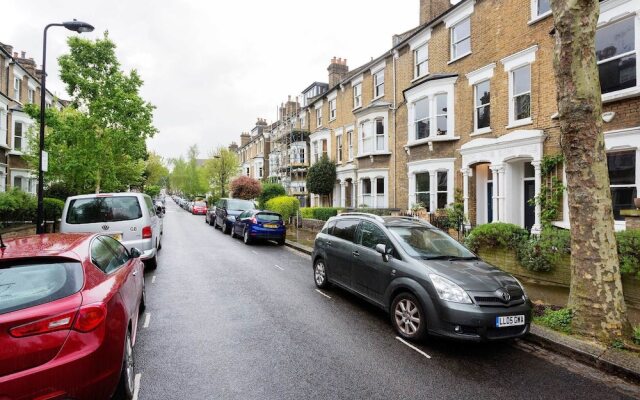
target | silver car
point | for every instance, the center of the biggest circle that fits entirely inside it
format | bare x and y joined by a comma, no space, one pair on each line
130,218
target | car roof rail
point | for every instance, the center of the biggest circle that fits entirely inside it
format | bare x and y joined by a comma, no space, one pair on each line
361,214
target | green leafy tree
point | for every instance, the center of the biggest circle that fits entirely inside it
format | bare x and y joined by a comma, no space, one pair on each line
99,142
156,171
178,175
195,183
269,191
221,166
321,177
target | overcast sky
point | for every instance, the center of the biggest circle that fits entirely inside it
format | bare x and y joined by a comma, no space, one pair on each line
212,67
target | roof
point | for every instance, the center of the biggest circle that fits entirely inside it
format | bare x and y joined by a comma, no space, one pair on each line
68,245
92,195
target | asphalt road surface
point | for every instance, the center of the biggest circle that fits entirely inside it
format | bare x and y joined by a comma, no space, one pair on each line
230,321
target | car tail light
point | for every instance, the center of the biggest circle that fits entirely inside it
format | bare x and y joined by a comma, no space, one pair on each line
56,323
253,220
89,317
147,232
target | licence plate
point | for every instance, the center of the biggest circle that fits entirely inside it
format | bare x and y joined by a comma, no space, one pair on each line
270,226
512,320
116,236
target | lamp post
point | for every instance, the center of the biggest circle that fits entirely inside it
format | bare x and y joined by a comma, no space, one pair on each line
76,26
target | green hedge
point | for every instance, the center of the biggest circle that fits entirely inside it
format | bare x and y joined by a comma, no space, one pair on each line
629,251
17,206
270,191
321,213
495,234
52,209
306,212
286,206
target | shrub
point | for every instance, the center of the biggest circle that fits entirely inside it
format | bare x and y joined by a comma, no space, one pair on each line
540,253
324,213
636,334
212,200
306,212
52,209
246,188
152,190
269,191
321,177
286,206
59,190
496,234
17,206
629,251
558,320
374,211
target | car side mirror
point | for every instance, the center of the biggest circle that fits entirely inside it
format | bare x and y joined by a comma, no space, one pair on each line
386,251
159,211
238,218
135,253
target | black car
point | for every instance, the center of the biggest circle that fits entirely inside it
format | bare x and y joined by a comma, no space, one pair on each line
425,280
227,210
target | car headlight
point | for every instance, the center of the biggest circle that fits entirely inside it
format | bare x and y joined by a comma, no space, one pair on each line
449,291
524,292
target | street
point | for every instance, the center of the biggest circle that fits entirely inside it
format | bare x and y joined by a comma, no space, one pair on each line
230,321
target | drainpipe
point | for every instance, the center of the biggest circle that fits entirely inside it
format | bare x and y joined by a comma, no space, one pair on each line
394,56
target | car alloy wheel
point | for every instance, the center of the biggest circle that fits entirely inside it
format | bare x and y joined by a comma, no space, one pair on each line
407,316
225,228
246,238
320,274
127,376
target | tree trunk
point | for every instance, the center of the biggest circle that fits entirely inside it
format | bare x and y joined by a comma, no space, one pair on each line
98,181
596,289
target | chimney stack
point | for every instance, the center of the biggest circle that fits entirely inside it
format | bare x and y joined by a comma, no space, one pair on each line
244,138
338,70
430,9
27,63
233,147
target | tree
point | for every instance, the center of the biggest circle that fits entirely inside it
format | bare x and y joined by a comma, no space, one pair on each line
194,182
270,191
219,168
99,142
596,297
156,172
244,187
321,177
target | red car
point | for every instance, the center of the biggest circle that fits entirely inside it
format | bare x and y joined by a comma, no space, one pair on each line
69,306
199,208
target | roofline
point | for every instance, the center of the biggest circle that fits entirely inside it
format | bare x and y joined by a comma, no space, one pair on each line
13,60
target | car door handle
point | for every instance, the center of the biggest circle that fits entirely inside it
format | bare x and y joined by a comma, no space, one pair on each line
135,273
328,243
356,254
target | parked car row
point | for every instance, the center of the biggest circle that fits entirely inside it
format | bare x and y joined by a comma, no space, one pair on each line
70,302
195,207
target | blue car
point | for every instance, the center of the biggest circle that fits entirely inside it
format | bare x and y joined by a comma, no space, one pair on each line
253,225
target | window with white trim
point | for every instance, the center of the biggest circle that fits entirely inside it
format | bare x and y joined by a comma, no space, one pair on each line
421,61
441,190
260,170
18,136
378,84
482,106
543,7
350,144
17,89
339,148
616,52
325,150
319,116
428,123
622,178
31,96
520,81
380,137
423,190
421,118
3,125
380,189
332,109
315,151
441,114
357,95
366,193
461,39
18,182
3,179
366,137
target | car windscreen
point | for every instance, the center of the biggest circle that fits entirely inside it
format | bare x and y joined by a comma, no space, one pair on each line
200,204
239,205
103,209
26,284
268,217
426,242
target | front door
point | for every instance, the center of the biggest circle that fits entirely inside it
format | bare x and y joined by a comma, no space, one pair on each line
529,208
489,201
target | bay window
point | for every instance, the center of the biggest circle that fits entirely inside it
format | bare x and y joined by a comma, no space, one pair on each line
616,53
422,190
380,193
18,136
421,116
441,113
366,193
366,138
441,190
380,138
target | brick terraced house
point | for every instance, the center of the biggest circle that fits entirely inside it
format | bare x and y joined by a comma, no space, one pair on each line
467,101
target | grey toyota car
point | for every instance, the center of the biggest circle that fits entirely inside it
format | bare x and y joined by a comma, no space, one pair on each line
425,280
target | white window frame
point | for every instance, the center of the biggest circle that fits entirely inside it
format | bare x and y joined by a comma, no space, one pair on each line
432,167
350,144
357,95
477,106
378,85
417,63
333,109
418,42
634,89
454,56
474,78
535,14
430,90
17,89
511,63
375,200
3,125
316,153
319,117
3,177
22,136
339,148
367,134
31,95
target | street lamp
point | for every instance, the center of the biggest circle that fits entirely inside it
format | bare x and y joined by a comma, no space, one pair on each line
76,26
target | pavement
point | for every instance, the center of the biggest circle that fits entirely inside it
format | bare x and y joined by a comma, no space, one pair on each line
230,321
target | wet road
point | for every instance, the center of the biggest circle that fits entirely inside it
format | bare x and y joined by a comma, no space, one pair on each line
229,321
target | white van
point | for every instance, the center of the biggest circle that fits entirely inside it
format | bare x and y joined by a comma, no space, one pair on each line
130,218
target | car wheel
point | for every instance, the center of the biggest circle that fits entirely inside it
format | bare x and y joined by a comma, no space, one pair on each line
407,316
225,228
281,242
233,232
151,263
160,245
126,384
143,300
246,238
320,274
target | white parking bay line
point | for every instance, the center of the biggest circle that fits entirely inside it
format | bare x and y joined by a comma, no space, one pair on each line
413,347
136,386
147,319
153,280
254,252
322,293
279,267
